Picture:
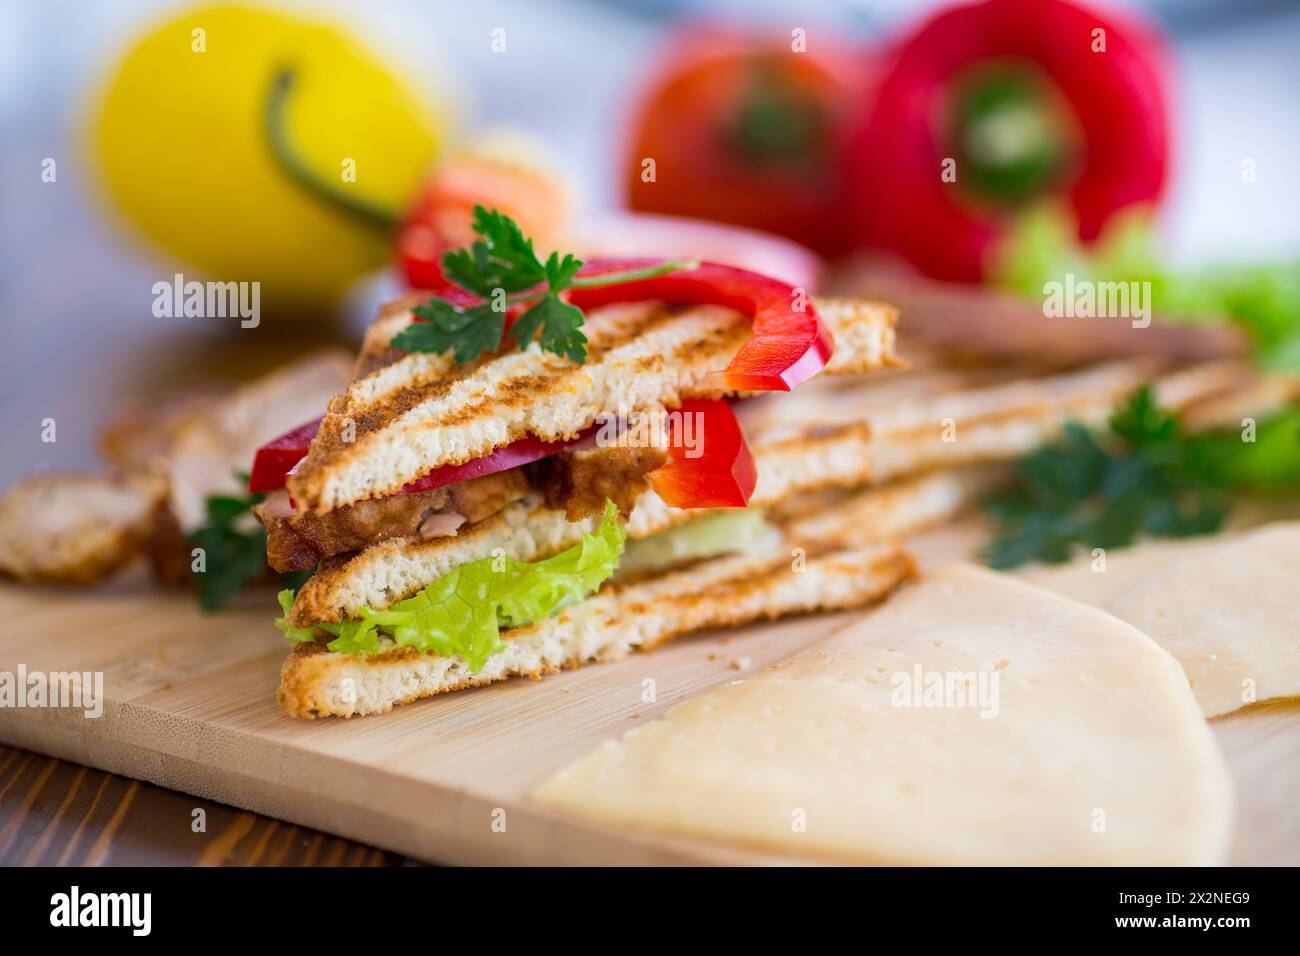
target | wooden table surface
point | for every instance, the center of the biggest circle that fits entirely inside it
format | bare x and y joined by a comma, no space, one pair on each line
55,813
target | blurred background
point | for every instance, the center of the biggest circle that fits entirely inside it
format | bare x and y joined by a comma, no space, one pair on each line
139,142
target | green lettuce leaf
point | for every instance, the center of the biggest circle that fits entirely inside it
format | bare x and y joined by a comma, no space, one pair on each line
1264,299
298,635
462,613
1269,465
734,531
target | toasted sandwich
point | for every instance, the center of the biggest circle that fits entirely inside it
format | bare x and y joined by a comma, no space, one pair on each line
467,501
467,524
845,467
860,489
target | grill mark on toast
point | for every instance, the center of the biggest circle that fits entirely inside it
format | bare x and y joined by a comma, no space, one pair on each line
386,404
445,414
428,378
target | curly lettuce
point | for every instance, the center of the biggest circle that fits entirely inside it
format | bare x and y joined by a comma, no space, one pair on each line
1264,299
462,613
297,635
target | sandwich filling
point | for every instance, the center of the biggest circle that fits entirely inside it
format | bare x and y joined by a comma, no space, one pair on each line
462,613
469,482
577,481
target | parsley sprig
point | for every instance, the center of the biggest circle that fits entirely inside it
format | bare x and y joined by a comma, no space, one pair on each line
502,268
234,548
1145,477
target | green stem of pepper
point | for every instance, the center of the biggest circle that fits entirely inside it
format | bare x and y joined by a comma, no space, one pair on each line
277,136
615,278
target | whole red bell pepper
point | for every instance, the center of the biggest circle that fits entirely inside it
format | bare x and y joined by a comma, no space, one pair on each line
991,106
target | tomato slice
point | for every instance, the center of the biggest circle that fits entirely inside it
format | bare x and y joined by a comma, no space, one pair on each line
521,452
274,460
789,346
710,463
277,458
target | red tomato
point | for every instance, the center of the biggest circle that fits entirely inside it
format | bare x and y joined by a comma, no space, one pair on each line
442,217
742,129
276,459
716,471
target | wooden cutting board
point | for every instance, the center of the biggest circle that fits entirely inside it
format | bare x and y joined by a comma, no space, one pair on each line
190,705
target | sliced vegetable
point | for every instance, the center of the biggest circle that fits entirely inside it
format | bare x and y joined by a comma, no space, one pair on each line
521,452
723,476
789,346
462,613
627,235
274,460
710,466
739,531
296,635
502,290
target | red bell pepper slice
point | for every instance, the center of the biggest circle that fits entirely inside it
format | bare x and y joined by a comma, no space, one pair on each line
790,344
710,463
717,471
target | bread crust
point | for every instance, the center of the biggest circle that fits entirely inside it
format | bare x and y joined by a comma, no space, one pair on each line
418,410
315,682
990,425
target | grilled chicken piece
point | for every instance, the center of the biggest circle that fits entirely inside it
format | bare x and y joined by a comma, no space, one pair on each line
76,529
139,436
298,539
203,455
579,480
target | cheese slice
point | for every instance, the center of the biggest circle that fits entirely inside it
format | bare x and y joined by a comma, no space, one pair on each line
1227,611
974,719
1100,580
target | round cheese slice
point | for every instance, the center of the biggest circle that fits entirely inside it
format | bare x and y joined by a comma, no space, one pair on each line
974,719
1099,580
1227,612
